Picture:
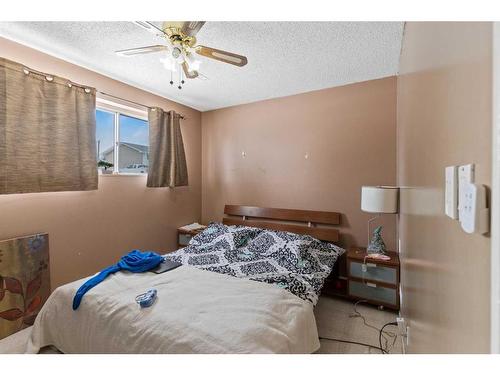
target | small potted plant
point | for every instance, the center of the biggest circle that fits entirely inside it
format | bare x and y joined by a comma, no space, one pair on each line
103,166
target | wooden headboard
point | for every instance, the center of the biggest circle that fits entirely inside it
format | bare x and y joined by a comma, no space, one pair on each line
252,217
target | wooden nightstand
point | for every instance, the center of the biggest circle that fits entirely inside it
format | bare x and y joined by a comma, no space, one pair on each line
374,280
184,236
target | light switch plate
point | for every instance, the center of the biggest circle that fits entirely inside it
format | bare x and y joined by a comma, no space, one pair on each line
451,192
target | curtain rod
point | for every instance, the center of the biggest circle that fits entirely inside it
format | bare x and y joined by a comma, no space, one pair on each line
50,78
131,101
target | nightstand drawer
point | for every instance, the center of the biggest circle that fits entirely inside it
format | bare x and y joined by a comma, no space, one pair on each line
375,272
184,239
373,292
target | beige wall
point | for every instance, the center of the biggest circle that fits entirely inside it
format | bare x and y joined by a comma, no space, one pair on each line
349,134
90,230
444,118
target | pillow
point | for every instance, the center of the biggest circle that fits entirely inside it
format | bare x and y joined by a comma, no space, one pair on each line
242,234
214,237
296,253
209,234
297,263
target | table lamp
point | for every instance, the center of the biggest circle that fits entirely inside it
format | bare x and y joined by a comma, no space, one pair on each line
379,200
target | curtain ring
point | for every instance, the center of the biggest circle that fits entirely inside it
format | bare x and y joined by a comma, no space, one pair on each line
26,71
49,78
87,90
70,85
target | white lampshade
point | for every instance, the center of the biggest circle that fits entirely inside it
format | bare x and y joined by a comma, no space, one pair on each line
379,199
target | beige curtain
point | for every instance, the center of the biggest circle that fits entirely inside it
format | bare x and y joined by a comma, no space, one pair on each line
167,160
47,132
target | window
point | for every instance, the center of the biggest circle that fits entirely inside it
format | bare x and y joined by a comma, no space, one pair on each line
134,145
105,135
122,142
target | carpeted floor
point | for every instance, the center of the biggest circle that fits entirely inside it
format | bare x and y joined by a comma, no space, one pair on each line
334,318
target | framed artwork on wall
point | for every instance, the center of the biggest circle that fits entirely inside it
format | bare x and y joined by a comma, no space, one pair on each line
24,281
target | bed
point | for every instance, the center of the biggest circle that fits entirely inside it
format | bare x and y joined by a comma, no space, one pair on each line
246,285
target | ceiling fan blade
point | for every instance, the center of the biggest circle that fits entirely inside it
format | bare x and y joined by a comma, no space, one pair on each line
149,26
220,55
191,28
141,50
202,76
189,74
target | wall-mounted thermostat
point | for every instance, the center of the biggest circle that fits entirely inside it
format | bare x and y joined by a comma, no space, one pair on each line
466,200
475,215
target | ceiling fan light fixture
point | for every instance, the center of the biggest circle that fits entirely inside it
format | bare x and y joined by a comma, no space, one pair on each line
176,52
193,63
169,64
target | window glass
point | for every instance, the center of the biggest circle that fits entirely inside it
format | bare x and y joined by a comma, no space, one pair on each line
134,145
105,134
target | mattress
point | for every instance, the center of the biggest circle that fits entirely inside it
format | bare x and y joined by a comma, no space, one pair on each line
196,312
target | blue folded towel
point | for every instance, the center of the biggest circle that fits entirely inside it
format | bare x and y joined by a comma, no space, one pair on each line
135,261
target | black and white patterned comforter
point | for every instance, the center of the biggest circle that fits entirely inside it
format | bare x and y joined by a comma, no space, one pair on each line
297,263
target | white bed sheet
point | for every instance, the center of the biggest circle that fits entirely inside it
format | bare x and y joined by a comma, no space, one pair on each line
196,311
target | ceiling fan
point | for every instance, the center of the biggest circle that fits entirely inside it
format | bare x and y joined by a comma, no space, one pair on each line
181,48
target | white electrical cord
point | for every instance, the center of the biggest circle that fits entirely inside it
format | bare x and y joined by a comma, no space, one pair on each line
387,336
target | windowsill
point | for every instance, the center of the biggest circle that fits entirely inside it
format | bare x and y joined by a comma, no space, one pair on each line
123,175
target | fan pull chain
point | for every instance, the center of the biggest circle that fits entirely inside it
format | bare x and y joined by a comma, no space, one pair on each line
181,77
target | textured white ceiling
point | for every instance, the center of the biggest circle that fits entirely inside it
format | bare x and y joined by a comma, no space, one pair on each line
284,58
